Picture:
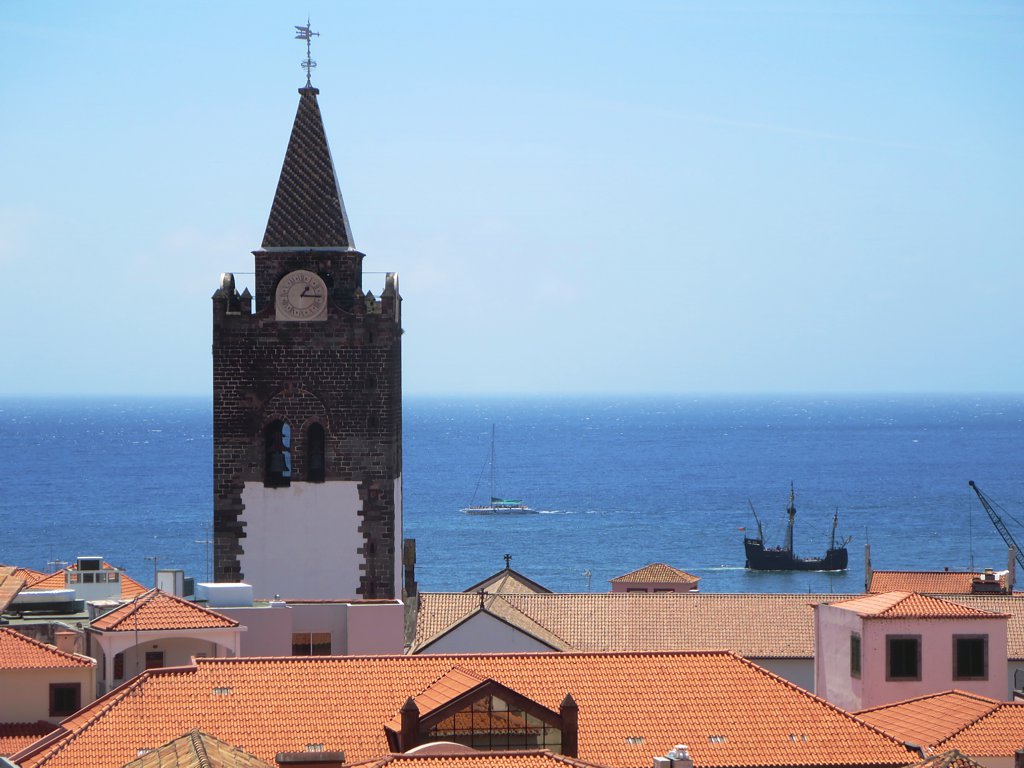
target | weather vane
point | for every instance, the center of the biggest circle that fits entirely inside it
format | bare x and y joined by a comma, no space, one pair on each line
306,33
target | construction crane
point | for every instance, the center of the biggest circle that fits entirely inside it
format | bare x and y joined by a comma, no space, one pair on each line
999,524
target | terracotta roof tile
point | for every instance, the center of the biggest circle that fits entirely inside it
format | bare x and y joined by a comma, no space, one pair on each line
655,572
129,587
11,583
532,758
631,706
902,605
20,652
924,582
196,749
928,719
157,609
949,759
999,733
752,625
31,575
17,736
506,582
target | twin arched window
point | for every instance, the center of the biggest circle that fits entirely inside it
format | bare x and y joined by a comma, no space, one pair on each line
278,464
278,460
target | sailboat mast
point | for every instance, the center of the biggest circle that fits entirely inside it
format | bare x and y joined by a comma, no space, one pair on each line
835,522
791,512
492,462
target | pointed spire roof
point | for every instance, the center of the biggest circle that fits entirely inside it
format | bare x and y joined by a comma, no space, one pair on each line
308,211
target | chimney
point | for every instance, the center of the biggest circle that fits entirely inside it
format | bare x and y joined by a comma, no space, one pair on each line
867,567
334,759
410,734
1011,570
570,714
677,757
1018,759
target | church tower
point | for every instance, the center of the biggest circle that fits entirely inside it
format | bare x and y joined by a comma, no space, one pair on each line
307,399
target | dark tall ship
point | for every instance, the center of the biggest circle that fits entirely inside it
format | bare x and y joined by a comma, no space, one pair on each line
760,558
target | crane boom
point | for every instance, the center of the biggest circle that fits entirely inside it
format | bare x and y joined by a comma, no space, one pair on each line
998,523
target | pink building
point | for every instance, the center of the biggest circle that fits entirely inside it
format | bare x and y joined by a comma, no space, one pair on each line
878,649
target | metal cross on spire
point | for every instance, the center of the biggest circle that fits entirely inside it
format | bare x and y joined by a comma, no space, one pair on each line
306,33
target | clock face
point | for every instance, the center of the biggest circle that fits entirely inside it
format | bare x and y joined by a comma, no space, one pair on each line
301,295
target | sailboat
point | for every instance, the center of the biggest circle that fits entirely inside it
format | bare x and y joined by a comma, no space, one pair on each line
498,505
761,558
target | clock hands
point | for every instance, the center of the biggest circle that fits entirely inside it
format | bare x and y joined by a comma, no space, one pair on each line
307,294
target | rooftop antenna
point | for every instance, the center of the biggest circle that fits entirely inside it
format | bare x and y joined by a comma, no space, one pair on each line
306,33
155,559
206,551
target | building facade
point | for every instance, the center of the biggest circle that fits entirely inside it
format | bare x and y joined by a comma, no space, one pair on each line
307,399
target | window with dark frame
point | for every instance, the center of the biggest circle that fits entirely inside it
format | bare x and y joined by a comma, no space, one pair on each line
316,457
65,699
970,657
154,659
854,654
119,666
903,657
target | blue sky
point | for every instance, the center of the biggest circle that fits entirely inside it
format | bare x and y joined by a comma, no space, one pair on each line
579,197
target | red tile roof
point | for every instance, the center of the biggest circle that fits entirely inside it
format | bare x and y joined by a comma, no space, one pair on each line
20,652
752,625
129,587
928,719
999,733
17,736
949,759
508,581
729,711
11,583
157,609
974,725
527,758
196,749
758,626
655,572
904,605
31,575
924,582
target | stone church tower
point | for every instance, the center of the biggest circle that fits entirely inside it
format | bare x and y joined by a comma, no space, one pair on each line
307,400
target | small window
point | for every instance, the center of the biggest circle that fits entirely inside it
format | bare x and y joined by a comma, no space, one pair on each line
311,644
65,699
316,458
903,657
855,654
119,666
154,659
970,657
278,460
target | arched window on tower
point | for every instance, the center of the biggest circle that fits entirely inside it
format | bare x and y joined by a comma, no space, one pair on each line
316,457
278,463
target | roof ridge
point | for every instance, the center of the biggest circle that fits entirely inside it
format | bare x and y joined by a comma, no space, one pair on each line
932,695
999,707
108,701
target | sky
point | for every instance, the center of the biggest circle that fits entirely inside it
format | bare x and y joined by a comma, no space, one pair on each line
579,197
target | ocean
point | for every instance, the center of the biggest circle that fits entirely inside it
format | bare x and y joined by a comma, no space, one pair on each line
619,482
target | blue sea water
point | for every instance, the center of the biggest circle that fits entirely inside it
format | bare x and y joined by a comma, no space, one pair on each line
620,482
